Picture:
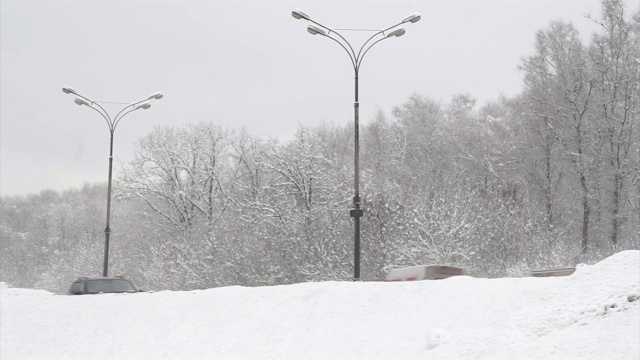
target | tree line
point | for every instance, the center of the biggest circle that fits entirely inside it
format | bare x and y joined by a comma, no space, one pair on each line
548,178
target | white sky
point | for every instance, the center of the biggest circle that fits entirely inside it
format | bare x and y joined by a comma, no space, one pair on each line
238,64
593,314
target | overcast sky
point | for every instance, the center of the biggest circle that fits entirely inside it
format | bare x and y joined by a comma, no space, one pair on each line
238,64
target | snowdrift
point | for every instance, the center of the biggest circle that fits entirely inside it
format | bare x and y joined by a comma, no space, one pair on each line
592,314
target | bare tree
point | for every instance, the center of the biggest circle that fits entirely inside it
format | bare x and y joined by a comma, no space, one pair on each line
561,61
613,55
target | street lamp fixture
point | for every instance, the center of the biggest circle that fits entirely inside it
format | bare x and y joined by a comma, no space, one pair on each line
157,96
314,30
112,123
397,32
299,14
68,90
143,106
413,18
356,60
80,102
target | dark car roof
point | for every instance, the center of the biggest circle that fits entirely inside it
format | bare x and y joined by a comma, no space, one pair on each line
96,285
84,278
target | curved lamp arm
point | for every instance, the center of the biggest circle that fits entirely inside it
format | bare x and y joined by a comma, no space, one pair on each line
315,31
352,53
88,102
396,33
299,14
133,105
156,95
102,113
373,36
119,117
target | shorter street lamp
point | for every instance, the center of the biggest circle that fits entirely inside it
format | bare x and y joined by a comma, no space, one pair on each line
112,123
356,60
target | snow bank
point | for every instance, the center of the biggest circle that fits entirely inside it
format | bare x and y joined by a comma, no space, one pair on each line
593,314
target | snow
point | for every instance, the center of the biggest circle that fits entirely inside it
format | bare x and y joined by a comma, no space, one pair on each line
592,314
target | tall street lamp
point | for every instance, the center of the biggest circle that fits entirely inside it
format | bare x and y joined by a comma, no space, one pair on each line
112,123
356,60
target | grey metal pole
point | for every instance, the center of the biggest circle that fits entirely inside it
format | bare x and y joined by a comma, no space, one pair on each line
107,229
356,213
112,123
356,59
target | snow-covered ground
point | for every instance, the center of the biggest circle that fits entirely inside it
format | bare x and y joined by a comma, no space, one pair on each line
592,314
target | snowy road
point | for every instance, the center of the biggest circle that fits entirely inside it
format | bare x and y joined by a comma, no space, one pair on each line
593,314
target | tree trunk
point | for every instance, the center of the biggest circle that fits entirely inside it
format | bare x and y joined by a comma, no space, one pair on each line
585,214
548,186
615,223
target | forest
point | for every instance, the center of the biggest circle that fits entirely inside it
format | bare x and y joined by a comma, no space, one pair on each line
547,178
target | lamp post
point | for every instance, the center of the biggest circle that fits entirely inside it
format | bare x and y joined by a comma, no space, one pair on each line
112,123
356,60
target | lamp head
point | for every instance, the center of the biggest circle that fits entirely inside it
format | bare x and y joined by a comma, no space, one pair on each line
68,90
143,106
314,30
413,18
80,102
397,32
156,96
299,14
